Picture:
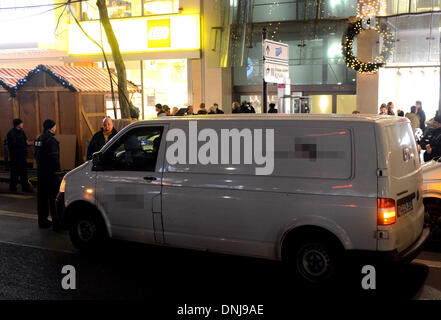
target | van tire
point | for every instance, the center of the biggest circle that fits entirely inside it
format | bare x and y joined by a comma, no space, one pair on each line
316,259
87,232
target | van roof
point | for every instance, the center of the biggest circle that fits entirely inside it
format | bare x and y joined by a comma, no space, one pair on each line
314,117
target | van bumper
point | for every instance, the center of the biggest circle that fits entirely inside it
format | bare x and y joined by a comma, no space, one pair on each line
404,256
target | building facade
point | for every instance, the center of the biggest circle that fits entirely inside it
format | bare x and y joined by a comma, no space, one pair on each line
184,52
314,30
162,42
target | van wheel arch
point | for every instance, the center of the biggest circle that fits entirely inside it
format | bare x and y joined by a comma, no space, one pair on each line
84,207
87,228
314,241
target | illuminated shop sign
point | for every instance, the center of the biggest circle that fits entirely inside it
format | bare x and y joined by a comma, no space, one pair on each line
145,34
159,35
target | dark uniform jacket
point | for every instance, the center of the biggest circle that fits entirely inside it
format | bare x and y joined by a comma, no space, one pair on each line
17,144
98,142
422,115
435,143
47,154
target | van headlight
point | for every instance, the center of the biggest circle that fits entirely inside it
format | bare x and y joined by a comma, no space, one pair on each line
63,186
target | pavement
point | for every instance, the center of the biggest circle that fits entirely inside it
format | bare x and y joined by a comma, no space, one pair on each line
32,260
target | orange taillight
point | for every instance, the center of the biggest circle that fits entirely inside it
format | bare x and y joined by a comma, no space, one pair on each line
386,212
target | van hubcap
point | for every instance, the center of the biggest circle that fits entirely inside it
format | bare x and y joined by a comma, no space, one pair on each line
315,262
86,230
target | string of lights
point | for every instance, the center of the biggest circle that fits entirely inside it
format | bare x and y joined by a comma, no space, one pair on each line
40,68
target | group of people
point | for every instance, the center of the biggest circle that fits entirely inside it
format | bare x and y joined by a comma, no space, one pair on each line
417,116
47,156
431,140
164,110
244,107
247,107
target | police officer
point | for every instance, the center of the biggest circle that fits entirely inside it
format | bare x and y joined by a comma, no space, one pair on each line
17,145
47,155
433,146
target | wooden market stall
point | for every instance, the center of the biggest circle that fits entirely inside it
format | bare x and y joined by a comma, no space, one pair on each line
74,97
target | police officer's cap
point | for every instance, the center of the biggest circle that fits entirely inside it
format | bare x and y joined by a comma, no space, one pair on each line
48,124
16,122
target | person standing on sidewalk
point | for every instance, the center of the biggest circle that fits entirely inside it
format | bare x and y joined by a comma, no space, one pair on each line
101,137
47,155
17,145
421,114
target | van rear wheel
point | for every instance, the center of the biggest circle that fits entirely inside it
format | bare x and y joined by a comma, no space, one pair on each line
315,260
87,232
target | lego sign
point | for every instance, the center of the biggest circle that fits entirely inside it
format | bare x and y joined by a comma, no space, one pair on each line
159,35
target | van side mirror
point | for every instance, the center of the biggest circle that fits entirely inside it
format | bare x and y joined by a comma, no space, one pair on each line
97,161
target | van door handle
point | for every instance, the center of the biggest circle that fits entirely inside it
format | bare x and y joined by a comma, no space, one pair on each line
150,178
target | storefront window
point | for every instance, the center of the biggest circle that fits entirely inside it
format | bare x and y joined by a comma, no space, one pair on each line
405,86
346,103
417,39
152,7
165,82
129,8
321,104
315,55
338,8
269,10
392,7
425,5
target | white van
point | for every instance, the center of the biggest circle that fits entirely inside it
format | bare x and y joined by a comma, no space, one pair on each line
302,188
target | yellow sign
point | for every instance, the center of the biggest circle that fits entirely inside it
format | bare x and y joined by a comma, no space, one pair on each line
169,33
158,32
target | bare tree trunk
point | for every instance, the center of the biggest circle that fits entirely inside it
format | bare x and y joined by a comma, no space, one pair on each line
123,95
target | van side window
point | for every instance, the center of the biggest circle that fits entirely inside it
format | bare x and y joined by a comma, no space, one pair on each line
136,150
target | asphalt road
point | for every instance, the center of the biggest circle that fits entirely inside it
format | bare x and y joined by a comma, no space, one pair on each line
31,263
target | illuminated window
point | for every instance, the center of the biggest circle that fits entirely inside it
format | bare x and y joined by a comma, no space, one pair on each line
152,7
130,8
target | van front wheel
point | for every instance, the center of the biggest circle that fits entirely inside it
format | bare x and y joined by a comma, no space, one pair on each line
87,233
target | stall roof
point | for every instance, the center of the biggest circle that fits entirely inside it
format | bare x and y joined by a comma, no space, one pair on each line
77,79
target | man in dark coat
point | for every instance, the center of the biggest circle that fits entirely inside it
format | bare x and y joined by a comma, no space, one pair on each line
218,110
421,114
17,145
246,108
100,138
272,108
433,148
47,155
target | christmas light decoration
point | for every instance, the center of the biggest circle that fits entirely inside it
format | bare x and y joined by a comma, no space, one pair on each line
20,83
366,67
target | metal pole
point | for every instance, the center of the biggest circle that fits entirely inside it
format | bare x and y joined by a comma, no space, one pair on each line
265,85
